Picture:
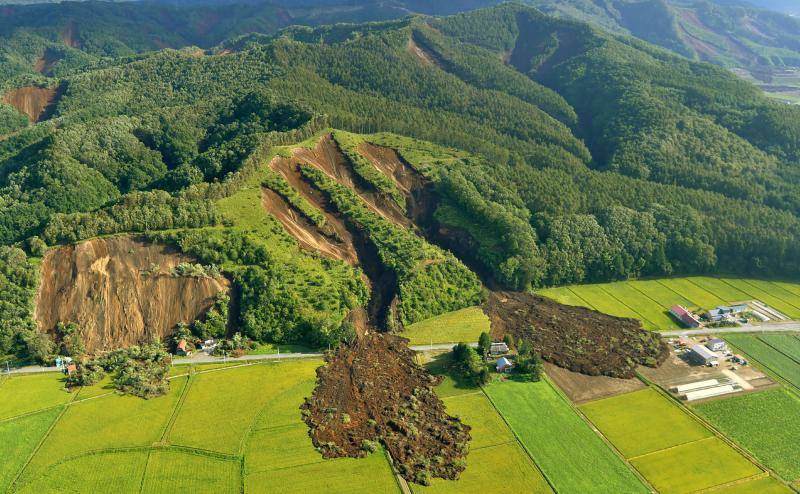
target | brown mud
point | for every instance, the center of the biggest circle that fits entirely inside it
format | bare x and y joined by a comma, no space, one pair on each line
575,338
107,288
37,103
373,390
44,64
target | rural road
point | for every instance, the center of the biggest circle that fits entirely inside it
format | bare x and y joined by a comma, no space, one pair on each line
761,328
208,359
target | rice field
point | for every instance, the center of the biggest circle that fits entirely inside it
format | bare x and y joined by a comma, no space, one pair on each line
18,440
650,300
672,450
771,358
494,452
25,394
463,325
567,450
694,466
767,424
247,416
166,473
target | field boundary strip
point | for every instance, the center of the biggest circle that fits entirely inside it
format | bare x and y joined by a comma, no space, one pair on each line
681,445
641,317
45,436
144,472
635,286
732,483
676,293
176,410
570,290
598,432
521,444
790,357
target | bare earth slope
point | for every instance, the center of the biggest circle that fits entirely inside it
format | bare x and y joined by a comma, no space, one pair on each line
103,286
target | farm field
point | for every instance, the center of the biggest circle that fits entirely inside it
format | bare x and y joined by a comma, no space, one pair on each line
462,325
650,300
494,451
767,424
21,395
768,356
552,431
103,442
673,451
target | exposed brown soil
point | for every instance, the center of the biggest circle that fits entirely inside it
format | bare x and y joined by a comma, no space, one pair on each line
45,63
373,390
71,35
421,54
37,103
329,158
581,388
308,235
102,286
575,338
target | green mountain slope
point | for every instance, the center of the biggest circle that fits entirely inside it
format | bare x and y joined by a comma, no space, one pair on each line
548,151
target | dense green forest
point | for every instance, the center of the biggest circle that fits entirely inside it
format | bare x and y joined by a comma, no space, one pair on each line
558,153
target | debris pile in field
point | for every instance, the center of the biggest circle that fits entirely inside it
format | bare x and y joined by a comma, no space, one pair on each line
371,392
576,338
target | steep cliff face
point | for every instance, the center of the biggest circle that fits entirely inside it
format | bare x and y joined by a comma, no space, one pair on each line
120,291
36,103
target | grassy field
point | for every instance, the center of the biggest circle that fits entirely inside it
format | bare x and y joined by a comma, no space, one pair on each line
643,422
694,466
79,430
197,438
673,451
767,356
120,473
787,344
166,473
18,440
494,451
552,432
650,300
767,424
454,327
21,395
765,485
232,406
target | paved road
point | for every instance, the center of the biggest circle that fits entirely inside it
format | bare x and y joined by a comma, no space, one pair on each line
761,328
202,358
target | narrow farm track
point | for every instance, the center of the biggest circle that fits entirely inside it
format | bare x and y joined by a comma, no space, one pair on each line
174,415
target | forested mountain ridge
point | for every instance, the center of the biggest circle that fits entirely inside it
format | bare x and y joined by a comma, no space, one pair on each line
560,154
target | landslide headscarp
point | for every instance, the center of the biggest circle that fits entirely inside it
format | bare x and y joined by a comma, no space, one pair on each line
37,103
120,292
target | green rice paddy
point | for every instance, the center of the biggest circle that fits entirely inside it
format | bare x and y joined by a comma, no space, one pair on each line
650,300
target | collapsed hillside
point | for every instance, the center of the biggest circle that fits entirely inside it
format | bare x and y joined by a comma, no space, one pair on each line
37,103
120,292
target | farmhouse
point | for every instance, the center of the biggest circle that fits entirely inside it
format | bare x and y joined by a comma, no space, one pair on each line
182,349
498,348
684,316
719,313
703,355
504,365
716,345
